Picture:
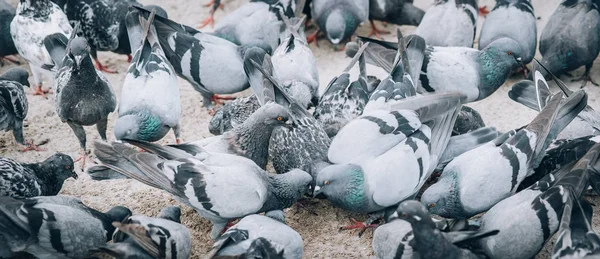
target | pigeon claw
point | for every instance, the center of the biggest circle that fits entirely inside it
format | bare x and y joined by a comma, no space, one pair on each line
358,225
81,158
483,11
39,91
209,20
586,78
129,58
376,32
313,37
29,146
102,68
218,99
178,141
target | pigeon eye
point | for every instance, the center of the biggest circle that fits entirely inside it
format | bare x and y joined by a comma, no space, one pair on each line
431,205
510,53
279,118
327,182
404,215
68,167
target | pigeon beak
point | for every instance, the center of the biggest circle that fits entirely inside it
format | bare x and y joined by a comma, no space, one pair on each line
394,216
78,60
316,191
74,175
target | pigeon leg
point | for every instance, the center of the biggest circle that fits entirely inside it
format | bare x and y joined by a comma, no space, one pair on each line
358,225
40,91
209,20
218,98
217,229
101,126
376,32
102,68
38,82
80,134
483,11
29,146
586,77
12,60
129,58
312,37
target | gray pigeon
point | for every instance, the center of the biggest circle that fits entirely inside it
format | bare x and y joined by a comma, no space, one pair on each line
500,165
83,95
145,237
295,66
260,248
206,181
24,180
14,105
303,146
339,19
343,100
576,237
566,42
428,241
399,12
237,239
7,45
54,226
529,218
232,114
202,59
513,19
150,104
35,20
449,23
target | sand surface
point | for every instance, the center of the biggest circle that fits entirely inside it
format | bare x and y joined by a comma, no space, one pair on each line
320,233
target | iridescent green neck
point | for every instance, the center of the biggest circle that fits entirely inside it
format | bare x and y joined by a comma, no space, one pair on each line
353,196
494,72
151,127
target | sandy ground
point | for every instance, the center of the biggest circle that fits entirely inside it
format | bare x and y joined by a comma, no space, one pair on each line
320,233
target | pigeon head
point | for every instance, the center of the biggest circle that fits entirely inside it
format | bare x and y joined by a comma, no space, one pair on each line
61,166
340,25
295,182
414,212
17,74
172,213
140,126
216,124
441,197
118,213
273,114
497,61
339,183
507,51
79,50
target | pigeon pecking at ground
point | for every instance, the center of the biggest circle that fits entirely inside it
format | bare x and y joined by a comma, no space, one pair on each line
24,180
7,45
206,181
35,20
84,96
238,239
566,42
513,19
146,237
150,103
54,226
449,23
501,165
338,19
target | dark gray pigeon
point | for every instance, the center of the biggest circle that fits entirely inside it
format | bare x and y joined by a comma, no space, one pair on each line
501,165
14,105
449,23
513,19
7,45
206,181
343,100
566,42
212,60
83,95
338,19
150,104
54,226
24,180
428,241
468,120
35,20
399,12
529,218
238,239
146,237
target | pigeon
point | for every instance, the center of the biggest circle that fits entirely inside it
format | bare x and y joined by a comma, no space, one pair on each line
14,105
449,23
566,44
529,218
254,24
23,180
54,226
339,19
210,59
238,239
513,19
343,100
428,241
576,237
303,146
122,8
7,45
288,6
399,12
83,95
150,103
295,65
468,120
214,178
525,92
233,114
259,248
35,20
456,69
145,237
411,135
504,163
